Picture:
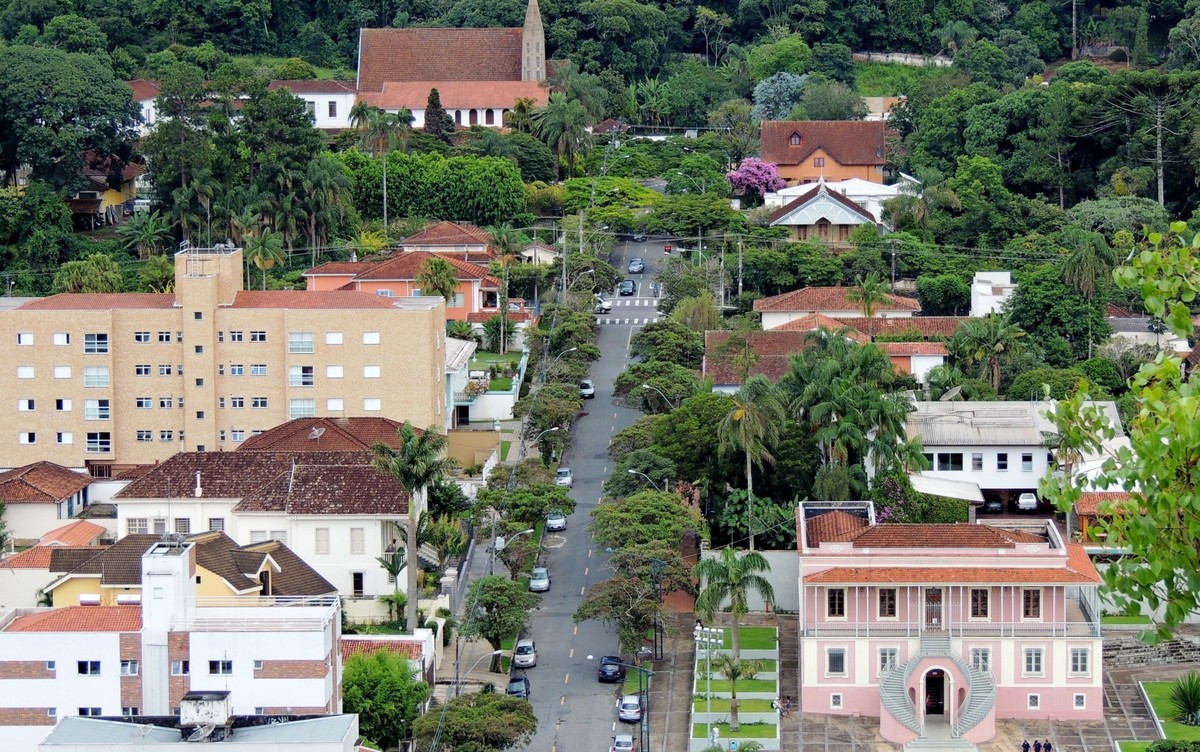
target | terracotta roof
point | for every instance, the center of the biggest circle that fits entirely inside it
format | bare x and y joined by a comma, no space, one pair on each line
64,559
816,192
312,488
406,265
335,435
913,348
1089,504
437,54
220,554
815,321
295,576
309,299
143,89
1114,311
77,533
816,299
832,526
118,565
96,169
926,326
81,619
517,317
341,268
460,95
847,142
39,557
773,351
227,475
41,483
86,301
448,233
953,574
360,644
934,535
132,472
312,87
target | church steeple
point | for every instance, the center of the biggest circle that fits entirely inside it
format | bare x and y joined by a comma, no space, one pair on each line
533,42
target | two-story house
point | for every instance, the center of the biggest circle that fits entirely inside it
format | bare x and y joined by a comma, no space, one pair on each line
832,302
41,497
822,215
807,151
940,630
328,102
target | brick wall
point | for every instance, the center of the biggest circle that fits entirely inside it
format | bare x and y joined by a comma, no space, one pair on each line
25,670
292,670
178,649
131,686
25,717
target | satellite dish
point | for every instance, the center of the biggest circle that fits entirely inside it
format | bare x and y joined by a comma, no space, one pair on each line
951,394
316,433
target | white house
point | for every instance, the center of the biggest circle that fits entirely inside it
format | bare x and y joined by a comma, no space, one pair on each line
917,358
328,102
833,302
41,497
868,195
990,291
145,94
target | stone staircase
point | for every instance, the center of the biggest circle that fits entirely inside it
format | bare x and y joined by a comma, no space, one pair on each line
981,698
1124,650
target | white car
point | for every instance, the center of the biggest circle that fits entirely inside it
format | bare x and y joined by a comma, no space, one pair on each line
1027,502
622,743
587,389
564,477
524,654
629,709
602,305
539,580
556,522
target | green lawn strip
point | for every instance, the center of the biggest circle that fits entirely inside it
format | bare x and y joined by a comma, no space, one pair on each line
1124,619
504,445
1134,746
500,385
745,731
1160,698
721,705
753,638
745,685
765,664
631,682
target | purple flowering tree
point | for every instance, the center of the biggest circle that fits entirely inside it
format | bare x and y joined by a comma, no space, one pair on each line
753,178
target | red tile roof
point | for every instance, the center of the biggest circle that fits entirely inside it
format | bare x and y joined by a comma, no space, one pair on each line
84,301
414,95
925,326
81,619
1095,503
832,526
448,233
310,299
327,489
359,645
143,89
335,435
41,483
118,564
814,321
312,87
227,475
341,268
913,348
39,557
816,299
935,535
406,265
814,194
772,350
847,142
437,54
77,533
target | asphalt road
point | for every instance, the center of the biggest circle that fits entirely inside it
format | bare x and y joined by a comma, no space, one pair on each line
575,712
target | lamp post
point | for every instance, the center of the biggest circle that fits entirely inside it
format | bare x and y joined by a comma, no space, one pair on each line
653,483
458,677
701,185
580,276
674,404
546,367
644,675
708,638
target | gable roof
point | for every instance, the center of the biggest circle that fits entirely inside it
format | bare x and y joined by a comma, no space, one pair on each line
437,54
926,326
847,142
309,299
331,435
820,194
295,576
814,321
143,89
81,619
326,489
815,299
773,352
100,301
227,475
832,526
461,95
913,348
312,86
447,233
77,533
41,483
220,554
1095,503
407,265
39,557
118,565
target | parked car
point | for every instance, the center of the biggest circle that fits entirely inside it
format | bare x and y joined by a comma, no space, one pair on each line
564,477
556,521
628,287
1027,502
611,670
636,266
602,305
993,506
622,743
524,654
518,686
539,580
629,709
587,389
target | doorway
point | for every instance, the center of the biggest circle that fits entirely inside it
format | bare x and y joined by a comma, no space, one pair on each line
935,692
933,608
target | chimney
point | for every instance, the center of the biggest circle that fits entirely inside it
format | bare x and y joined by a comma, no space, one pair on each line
199,492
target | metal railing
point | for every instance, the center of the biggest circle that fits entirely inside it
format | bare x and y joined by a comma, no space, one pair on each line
960,629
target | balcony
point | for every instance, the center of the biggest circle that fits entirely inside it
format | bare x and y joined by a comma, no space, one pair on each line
1080,627
258,614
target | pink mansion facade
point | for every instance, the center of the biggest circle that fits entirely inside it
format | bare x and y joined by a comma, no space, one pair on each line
941,629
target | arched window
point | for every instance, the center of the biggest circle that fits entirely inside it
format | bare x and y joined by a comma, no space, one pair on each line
795,139
458,117
473,117
489,117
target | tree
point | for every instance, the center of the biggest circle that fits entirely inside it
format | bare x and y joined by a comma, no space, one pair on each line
157,274
753,178
146,233
868,293
825,99
96,272
670,341
380,131
774,97
734,670
1089,260
386,693
562,124
525,505
698,313
438,276
438,122
1046,307
987,342
644,517
943,295
477,722
787,55
265,251
726,583
835,61
500,609
753,427
735,125
446,535
416,464
639,470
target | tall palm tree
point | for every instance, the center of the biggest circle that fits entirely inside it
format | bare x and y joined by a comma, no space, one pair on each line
916,200
379,131
986,341
416,464
96,272
438,276
869,293
736,670
265,250
956,35
730,579
753,427
147,233
520,117
562,124
1089,259
446,535
326,186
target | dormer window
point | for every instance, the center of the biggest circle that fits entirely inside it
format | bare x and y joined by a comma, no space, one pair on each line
795,139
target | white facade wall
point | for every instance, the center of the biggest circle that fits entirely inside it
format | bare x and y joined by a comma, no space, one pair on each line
319,105
244,648
149,109
102,490
462,116
923,364
68,691
984,297
19,587
1015,478
198,512
32,521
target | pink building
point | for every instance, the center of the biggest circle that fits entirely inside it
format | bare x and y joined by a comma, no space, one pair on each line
941,629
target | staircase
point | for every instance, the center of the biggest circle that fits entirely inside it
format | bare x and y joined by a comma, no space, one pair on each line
981,697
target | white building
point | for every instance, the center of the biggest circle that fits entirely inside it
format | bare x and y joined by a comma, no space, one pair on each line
328,102
41,497
868,195
145,95
990,291
831,302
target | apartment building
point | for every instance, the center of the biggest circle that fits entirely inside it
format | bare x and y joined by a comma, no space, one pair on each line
104,381
280,654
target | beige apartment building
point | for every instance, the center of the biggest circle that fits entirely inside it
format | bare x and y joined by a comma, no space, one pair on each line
105,381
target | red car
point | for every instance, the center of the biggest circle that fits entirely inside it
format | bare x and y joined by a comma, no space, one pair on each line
667,248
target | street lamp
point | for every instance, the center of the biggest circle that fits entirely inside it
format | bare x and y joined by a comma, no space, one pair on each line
520,456
700,185
457,676
653,483
580,276
644,675
666,399
708,638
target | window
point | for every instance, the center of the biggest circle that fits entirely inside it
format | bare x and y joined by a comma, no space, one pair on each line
385,293
981,659
197,315
166,435
24,372
235,336
27,437
356,584
258,369
332,109
300,342
89,711
357,540
183,525
334,372
371,338
1035,702
25,406
794,140
96,410
835,661
129,711
1002,462
52,712
977,461
199,349
951,461
99,442
372,404
1080,661
237,369
164,370
95,344
62,405
887,603
220,435
301,408
88,668
180,668
144,403
164,336
1027,462
333,338
258,536
261,402
216,523
371,372
335,405
258,665
24,338
66,437
141,370
1031,604
979,603
160,528
888,658
62,372
818,161
129,668
835,599
459,300
51,666
237,435
835,700
143,435
220,336
300,376
322,543
62,338
1033,662
258,336
1080,702
220,667
199,415
237,403
311,109
136,526
165,402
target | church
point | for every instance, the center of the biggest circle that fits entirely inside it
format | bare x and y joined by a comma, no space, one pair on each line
479,73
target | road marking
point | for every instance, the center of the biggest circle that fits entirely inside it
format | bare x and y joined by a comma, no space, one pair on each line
561,701
571,654
575,631
589,553
585,571
567,679
614,728
582,589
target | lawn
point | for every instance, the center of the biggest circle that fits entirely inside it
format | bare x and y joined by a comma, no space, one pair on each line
1134,746
745,731
1124,619
631,682
500,385
504,445
721,705
754,638
482,360
745,685
765,664
1160,697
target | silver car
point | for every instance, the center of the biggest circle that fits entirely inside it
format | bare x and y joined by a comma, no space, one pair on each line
524,654
564,477
622,743
556,522
629,709
539,580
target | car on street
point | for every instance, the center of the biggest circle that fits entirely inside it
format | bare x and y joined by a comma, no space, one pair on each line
556,521
622,743
993,506
587,389
639,237
518,686
564,477
611,670
602,305
1027,502
629,709
628,287
524,654
539,580
636,266
667,248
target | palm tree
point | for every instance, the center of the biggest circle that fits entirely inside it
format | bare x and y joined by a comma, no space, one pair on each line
146,233
736,670
731,578
1089,259
94,273
869,293
584,88
393,563
956,35
265,250
446,535
379,131
438,277
325,184
753,427
417,463
562,124
986,341
460,330
916,200
520,117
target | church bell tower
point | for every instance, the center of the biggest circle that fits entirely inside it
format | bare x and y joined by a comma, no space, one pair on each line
533,43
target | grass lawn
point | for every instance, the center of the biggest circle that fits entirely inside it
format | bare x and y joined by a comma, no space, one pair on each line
631,682
765,664
1160,697
754,638
500,385
265,63
721,705
504,445
745,731
745,685
1134,746
1124,619
481,360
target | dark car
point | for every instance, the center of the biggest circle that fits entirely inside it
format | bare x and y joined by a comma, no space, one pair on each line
518,686
611,670
628,287
993,506
636,266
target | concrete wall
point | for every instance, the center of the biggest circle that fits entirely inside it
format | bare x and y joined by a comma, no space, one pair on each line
784,574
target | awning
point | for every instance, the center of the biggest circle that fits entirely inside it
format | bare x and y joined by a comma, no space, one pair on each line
951,489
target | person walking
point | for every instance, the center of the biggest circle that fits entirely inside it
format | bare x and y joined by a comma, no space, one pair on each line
1046,747
1037,745
1025,746
787,706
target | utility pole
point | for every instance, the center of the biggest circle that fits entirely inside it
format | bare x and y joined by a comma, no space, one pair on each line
1074,29
739,267
892,243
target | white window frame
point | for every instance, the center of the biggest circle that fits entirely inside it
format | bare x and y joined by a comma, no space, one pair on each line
181,668
24,339
335,405
334,338
258,369
27,438
372,404
835,701
259,403
321,540
895,604
829,603
1041,603
977,462
137,526
62,372
889,658
65,438
223,666
98,409
358,541
1027,464
302,408
95,343
372,372
96,377
981,659
300,343
1079,702
129,668
334,372
62,339
62,405
142,337
26,405
1033,662
258,336
371,338
829,653
1080,657
98,445
1034,702
302,376
237,369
